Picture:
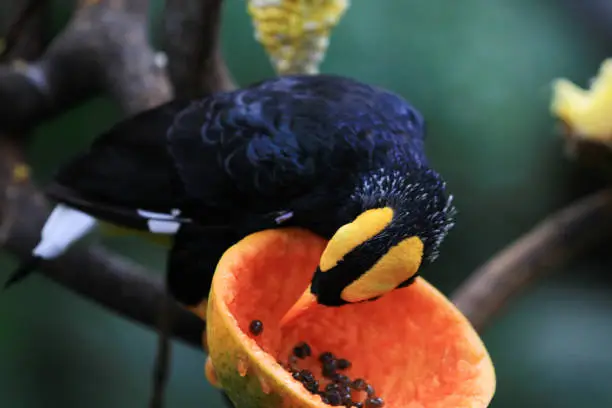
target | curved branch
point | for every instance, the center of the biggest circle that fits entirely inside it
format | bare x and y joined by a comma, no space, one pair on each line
115,282
104,47
556,240
23,34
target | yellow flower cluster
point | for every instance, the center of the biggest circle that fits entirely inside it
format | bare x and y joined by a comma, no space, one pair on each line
587,112
295,33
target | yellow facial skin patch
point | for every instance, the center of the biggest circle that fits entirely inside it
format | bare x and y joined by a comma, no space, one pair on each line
399,264
349,236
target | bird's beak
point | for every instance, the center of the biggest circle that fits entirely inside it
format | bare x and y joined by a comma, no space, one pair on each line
303,304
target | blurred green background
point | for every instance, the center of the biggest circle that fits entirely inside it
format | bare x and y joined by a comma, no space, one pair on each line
480,71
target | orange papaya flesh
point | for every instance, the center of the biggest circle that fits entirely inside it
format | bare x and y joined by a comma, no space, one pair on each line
412,345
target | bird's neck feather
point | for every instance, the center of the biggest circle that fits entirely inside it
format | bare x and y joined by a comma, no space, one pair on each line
417,196
387,188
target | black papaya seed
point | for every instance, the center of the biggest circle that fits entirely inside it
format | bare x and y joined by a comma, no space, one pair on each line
343,364
326,357
312,386
307,375
341,378
329,369
359,384
375,402
256,327
302,350
345,389
331,386
333,397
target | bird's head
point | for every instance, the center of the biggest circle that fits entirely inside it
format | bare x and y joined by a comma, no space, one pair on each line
400,225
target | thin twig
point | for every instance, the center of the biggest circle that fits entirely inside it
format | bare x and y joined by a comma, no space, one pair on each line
555,241
161,370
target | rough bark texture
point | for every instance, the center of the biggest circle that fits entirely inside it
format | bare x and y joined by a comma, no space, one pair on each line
191,42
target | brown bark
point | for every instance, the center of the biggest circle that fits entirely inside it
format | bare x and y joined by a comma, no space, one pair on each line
191,42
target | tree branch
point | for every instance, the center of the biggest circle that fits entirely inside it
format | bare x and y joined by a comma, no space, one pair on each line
23,34
112,281
555,241
191,42
104,47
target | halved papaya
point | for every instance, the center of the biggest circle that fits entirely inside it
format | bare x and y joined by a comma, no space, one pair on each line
412,346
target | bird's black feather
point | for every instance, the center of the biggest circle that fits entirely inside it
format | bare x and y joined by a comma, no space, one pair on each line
281,139
127,168
192,259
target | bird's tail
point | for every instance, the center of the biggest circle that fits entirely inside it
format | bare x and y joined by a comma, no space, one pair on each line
63,228
24,270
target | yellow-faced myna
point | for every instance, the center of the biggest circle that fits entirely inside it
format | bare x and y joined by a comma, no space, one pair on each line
327,153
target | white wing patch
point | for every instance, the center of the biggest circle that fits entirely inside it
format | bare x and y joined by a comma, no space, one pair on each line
161,223
163,227
64,227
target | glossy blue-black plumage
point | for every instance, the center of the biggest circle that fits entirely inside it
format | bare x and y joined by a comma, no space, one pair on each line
283,138
315,150
324,148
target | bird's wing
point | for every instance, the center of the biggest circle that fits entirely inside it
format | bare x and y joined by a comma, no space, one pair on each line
127,176
277,140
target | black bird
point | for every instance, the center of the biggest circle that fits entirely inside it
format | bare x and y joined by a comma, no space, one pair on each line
327,153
